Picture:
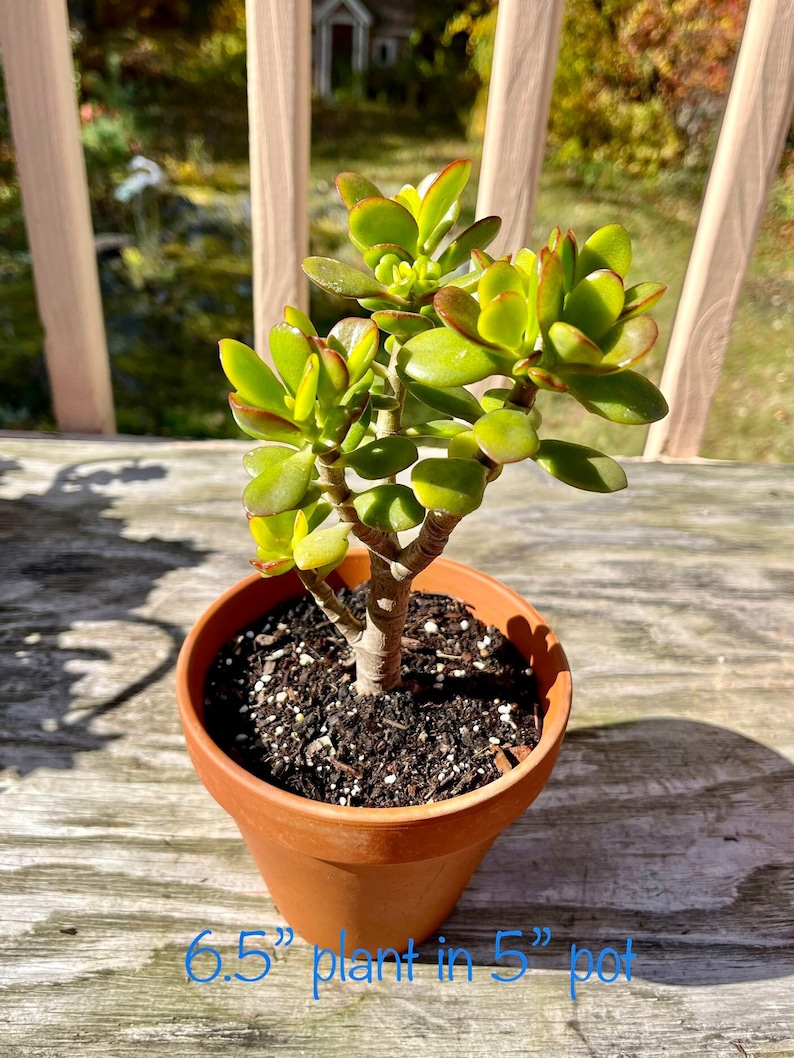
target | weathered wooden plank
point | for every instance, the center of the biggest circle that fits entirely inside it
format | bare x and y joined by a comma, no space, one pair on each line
37,61
279,118
757,118
667,819
525,58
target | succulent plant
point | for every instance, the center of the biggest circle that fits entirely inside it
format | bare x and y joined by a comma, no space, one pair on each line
560,321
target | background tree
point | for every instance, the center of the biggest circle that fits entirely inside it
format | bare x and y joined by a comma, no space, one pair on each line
639,84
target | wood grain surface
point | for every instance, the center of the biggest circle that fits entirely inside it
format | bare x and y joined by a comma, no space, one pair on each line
668,819
279,119
757,118
525,57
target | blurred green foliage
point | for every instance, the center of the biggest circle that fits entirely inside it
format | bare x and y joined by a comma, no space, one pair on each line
634,108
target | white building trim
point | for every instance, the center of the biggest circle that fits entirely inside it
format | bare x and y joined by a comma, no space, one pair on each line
339,13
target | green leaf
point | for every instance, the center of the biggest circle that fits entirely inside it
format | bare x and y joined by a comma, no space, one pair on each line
569,253
455,400
357,431
527,264
481,234
265,457
625,397
280,486
504,319
269,535
306,393
629,342
544,379
359,338
641,298
383,402
290,349
378,220
450,217
251,377
595,303
581,467
609,247
357,396
436,428
493,399
442,194
383,457
506,436
323,547
316,514
467,282
275,532
408,196
300,529
551,290
573,346
497,279
443,358
463,446
388,301
335,429
352,188
273,566
341,279
390,508
455,486
373,255
402,324
459,311
264,425
334,378
496,399
295,318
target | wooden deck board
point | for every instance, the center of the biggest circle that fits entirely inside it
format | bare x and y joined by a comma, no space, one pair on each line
668,818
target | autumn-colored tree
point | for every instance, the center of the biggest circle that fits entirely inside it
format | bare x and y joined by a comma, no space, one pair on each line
686,49
639,83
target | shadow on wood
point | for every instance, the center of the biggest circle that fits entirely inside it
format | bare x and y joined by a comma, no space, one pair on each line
72,581
677,834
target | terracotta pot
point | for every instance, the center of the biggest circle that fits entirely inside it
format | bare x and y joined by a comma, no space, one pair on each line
384,875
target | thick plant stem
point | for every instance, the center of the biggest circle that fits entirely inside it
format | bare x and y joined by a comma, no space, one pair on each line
378,653
332,606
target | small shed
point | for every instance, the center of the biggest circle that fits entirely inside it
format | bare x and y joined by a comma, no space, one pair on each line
349,36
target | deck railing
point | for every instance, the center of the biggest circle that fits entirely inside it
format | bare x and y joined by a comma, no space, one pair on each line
34,39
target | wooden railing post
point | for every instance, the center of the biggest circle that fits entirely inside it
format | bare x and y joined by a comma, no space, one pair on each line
279,119
525,59
42,103
754,127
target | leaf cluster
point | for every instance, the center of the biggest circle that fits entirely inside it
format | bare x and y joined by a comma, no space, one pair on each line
562,321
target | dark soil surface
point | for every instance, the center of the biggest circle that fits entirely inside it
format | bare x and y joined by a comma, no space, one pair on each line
280,701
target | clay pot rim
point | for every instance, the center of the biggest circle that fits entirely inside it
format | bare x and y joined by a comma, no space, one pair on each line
341,815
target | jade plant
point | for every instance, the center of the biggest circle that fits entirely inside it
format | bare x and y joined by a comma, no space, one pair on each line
342,414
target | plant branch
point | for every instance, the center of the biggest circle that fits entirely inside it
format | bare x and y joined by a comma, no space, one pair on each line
427,546
434,534
332,606
523,393
332,479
